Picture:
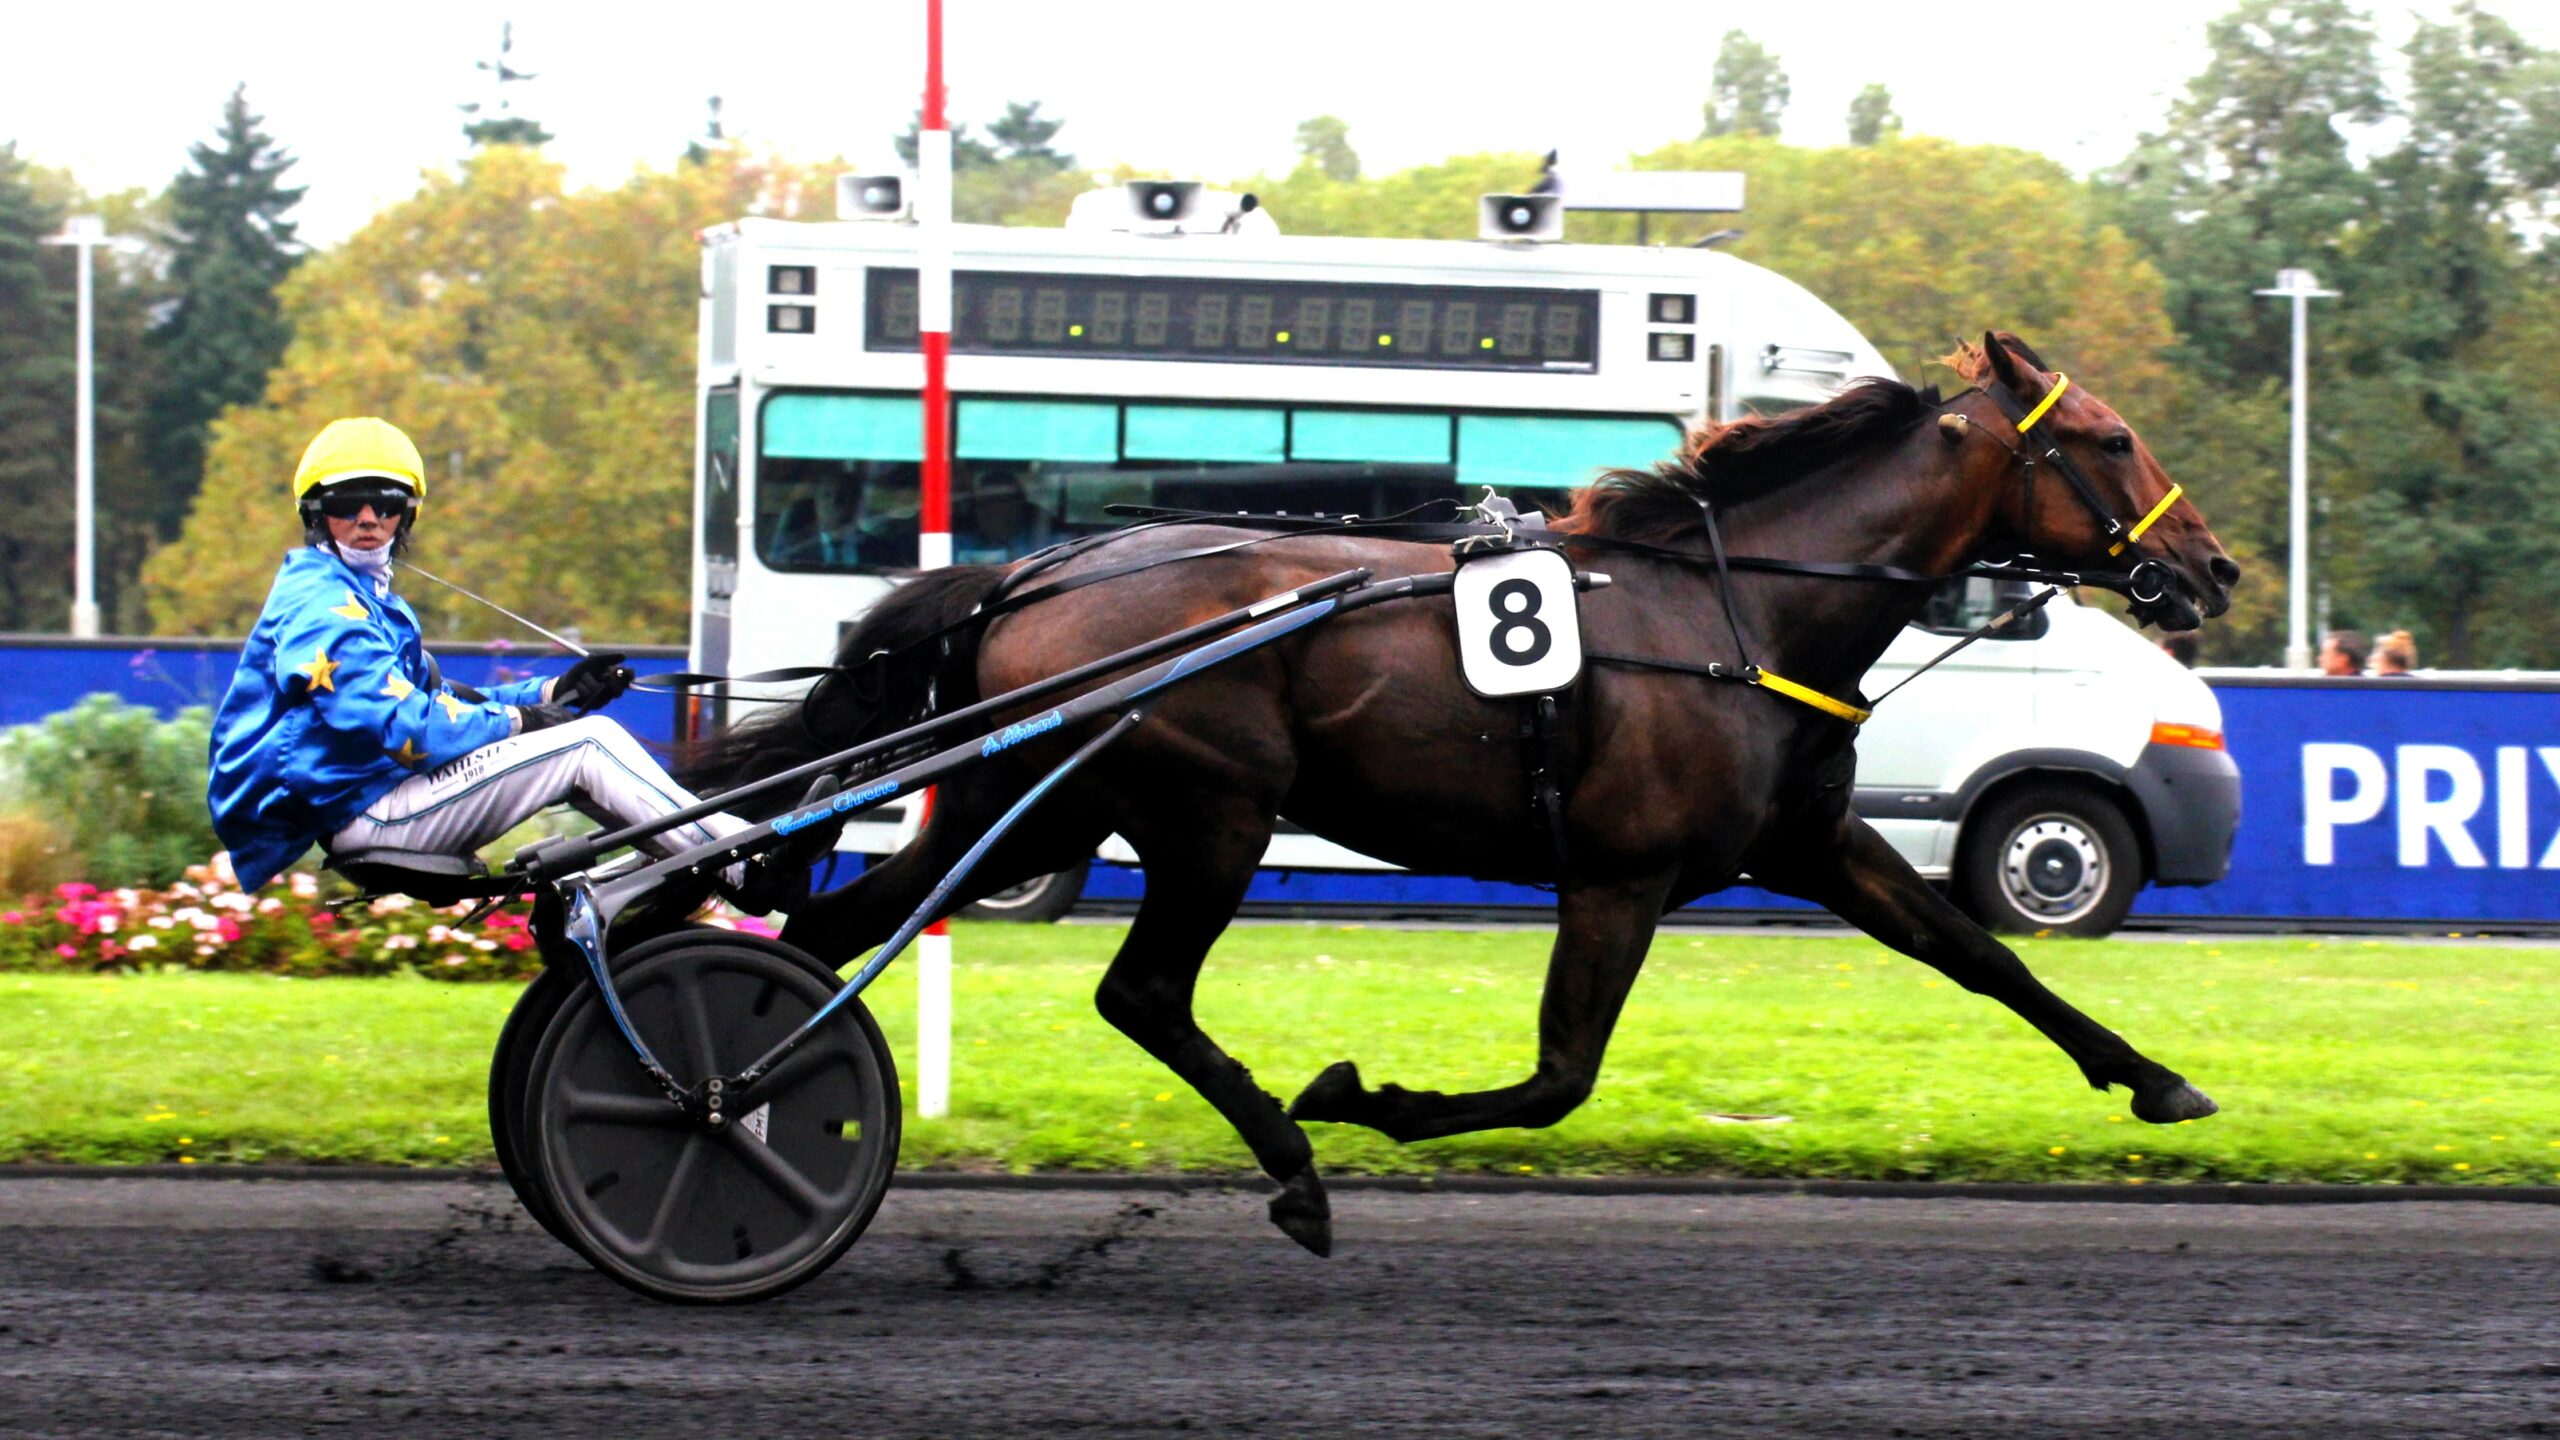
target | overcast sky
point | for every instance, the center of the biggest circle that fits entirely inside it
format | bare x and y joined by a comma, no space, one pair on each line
365,95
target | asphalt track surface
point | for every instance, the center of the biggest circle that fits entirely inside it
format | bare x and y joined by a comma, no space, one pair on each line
387,1308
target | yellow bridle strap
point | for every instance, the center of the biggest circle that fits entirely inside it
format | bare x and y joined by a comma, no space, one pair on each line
2175,490
1812,697
2061,382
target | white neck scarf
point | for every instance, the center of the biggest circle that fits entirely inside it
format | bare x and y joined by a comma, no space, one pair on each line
374,565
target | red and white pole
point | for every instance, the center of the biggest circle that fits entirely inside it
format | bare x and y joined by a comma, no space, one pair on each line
933,537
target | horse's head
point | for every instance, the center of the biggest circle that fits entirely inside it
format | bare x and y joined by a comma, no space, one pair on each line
2089,494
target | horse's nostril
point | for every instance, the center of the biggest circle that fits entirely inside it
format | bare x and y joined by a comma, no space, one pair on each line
2225,570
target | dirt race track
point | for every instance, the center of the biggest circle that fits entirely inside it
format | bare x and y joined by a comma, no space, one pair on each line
219,1308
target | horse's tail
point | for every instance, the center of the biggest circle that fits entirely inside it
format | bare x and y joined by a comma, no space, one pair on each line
886,678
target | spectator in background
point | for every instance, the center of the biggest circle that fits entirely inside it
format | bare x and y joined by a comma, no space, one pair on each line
2180,645
2395,653
2342,652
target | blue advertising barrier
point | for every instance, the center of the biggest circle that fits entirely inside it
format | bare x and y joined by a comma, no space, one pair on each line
44,674
2400,799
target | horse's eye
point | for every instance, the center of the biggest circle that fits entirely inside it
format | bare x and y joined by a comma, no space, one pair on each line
2117,445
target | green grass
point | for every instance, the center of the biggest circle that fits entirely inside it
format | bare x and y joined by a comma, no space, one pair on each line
2346,1060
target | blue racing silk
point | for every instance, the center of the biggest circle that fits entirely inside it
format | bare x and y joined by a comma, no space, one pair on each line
332,707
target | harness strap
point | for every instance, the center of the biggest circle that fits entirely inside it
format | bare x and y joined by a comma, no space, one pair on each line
1741,675
1837,709
2175,490
2061,382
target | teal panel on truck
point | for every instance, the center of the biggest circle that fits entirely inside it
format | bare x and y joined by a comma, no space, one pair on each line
1557,450
1385,437
843,427
1207,432
1038,430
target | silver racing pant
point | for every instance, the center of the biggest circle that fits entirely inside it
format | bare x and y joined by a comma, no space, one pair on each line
590,763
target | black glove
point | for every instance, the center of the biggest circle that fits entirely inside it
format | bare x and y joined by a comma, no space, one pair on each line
593,683
530,718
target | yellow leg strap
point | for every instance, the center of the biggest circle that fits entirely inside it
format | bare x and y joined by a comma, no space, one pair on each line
2061,382
2145,523
1814,698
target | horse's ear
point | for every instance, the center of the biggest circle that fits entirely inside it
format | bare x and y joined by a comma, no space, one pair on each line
2004,367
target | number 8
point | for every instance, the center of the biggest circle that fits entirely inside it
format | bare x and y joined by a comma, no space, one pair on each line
1515,607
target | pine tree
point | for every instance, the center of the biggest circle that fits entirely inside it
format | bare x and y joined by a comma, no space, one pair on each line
1871,116
1021,135
1750,89
229,248
36,368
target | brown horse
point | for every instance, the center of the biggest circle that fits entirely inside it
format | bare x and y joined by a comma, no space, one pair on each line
1360,730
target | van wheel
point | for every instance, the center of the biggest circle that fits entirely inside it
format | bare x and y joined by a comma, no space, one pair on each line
2050,858
1033,902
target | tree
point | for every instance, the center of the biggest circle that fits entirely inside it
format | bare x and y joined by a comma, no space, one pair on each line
35,406
2445,405
1325,143
1749,89
1021,135
229,247
1871,116
2253,173
538,344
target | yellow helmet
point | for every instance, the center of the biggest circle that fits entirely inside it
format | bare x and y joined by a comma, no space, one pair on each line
359,449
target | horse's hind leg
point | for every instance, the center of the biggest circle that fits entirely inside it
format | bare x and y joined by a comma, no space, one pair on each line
1195,880
1602,932
1856,875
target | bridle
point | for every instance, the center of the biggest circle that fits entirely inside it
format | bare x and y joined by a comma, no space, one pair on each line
2148,581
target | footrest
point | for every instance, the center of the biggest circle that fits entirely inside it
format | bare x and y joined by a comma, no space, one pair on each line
436,879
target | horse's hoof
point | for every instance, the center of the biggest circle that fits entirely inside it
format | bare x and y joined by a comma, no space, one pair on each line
1336,1095
1303,1214
2175,1102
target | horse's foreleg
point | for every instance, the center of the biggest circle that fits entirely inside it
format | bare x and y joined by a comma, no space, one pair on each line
1857,876
1601,935
1195,881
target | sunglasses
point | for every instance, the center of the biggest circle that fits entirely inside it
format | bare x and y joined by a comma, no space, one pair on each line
390,504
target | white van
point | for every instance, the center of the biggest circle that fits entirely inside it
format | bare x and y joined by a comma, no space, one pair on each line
2043,774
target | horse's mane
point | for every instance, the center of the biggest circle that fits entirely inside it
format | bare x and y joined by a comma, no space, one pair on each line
1748,458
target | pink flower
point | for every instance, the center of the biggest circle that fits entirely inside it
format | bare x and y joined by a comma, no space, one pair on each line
12,917
74,890
67,952
110,951
229,929
322,919
517,940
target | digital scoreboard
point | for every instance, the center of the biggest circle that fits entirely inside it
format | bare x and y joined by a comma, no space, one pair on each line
1264,322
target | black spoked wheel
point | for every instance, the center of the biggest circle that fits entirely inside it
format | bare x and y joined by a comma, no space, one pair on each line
684,1211
510,1077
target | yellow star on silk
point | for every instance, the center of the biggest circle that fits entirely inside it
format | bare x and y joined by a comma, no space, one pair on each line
321,669
454,709
353,609
409,754
397,688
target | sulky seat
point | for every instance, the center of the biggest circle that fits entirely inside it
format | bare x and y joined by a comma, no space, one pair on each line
431,877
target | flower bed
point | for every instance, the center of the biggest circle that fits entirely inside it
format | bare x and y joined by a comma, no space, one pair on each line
207,922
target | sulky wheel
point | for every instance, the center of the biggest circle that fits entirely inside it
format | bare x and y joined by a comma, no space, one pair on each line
682,1210
510,1077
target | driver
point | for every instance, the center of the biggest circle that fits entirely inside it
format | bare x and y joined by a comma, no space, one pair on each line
337,729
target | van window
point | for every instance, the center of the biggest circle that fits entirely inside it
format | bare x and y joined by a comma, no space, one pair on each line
1959,605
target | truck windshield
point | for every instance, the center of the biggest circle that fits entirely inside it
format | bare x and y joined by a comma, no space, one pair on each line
838,476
